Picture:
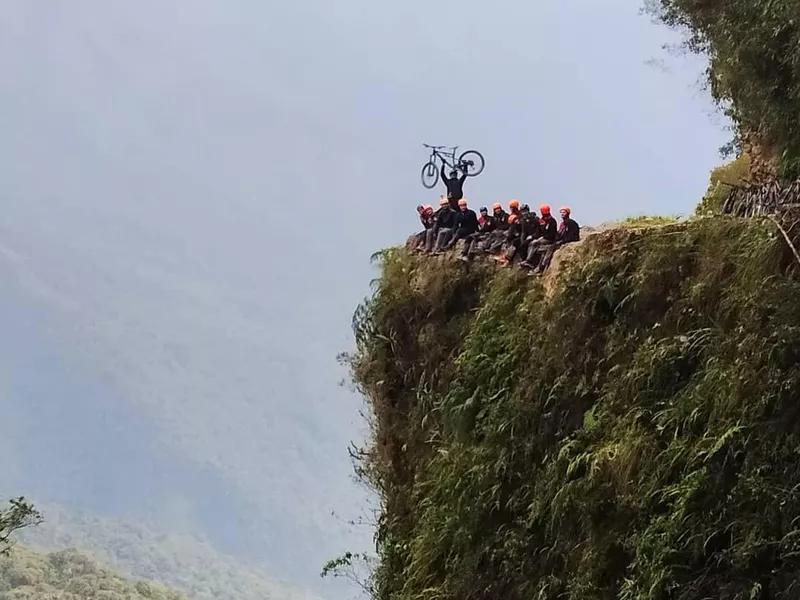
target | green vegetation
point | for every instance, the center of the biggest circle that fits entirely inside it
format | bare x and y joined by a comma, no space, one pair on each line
722,179
754,51
69,575
646,221
19,514
624,428
184,562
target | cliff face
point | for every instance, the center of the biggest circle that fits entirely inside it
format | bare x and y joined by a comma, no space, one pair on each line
625,427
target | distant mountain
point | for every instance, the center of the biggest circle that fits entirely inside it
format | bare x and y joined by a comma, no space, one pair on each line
69,575
181,561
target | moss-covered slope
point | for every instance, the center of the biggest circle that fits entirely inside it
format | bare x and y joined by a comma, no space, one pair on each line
625,427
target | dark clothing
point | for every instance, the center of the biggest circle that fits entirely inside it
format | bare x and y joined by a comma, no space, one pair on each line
487,224
468,221
455,187
549,228
445,218
568,231
501,220
466,225
427,220
530,226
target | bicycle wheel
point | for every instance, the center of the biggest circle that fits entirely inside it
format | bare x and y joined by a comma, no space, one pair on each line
430,175
476,168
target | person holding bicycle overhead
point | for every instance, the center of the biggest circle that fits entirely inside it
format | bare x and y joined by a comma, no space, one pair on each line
455,185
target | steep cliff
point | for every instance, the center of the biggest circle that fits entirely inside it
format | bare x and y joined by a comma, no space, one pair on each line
624,427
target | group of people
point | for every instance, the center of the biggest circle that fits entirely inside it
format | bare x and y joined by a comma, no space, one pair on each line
520,232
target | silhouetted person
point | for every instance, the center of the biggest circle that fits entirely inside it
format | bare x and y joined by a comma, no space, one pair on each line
455,186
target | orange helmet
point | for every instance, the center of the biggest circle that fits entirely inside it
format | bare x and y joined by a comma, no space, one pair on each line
462,202
443,202
565,209
544,209
513,204
497,206
512,218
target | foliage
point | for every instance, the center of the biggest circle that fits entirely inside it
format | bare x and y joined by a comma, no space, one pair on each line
754,52
722,179
19,514
626,430
357,568
183,562
69,575
646,221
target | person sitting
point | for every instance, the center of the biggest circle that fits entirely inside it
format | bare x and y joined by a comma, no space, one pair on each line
486,225
548,229
511,238
494,242
528,229
446,221
466,224
432,232
454,185
568,231
428,220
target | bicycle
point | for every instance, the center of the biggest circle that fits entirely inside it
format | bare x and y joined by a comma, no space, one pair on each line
470,161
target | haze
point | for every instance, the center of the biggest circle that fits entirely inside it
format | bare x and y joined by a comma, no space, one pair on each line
189,195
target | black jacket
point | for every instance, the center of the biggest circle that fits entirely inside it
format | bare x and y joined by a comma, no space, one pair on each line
549,229
467,221
455,186
530,226
501,220
489,224
569,231
446,218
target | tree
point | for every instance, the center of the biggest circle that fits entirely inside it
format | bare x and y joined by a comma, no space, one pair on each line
19,514
721,181
753,47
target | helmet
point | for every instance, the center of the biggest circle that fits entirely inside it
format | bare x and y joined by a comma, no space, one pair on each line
427,208
544,209
443,201
524,208
512,218
462,202
513,204
565,209
484,209
497,206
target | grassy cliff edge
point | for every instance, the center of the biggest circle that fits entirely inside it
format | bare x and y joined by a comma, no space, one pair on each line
624,427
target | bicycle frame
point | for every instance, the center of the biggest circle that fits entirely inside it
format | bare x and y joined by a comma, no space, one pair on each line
436,152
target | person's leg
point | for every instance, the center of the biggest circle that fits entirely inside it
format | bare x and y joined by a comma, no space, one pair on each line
495,244
430,237
546,252
511,251
468,242
459,234
443,237
531,257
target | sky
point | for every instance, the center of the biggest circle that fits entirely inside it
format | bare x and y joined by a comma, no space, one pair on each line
189,195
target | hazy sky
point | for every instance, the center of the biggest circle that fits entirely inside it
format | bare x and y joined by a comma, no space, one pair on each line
191,189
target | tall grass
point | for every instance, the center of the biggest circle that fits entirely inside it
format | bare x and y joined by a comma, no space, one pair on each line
632,436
